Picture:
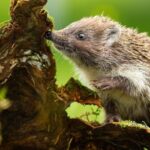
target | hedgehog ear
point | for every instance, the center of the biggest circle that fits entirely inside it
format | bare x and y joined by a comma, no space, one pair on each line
112,35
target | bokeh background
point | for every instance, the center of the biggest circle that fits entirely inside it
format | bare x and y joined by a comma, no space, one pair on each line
131,13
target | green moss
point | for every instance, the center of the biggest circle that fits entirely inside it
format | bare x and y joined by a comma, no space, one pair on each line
94,114
3,92
129,123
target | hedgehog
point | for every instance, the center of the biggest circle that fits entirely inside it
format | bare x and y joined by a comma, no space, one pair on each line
115,62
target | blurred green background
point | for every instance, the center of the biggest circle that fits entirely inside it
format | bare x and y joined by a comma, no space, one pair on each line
132,13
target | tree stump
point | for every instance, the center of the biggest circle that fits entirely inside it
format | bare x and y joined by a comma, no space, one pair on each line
36,119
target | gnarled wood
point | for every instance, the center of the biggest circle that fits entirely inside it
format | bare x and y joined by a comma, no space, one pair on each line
36,119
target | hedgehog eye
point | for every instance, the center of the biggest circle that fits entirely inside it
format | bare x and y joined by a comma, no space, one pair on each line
81,36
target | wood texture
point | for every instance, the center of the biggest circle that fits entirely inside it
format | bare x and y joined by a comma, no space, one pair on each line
36,119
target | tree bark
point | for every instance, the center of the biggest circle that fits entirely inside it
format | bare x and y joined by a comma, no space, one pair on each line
36,119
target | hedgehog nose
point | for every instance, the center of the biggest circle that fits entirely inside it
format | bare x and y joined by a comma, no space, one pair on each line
48,35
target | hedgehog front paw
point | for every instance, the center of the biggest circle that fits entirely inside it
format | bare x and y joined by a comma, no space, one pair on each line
106,83
112,118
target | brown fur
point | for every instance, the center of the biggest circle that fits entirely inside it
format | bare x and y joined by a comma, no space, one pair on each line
116,58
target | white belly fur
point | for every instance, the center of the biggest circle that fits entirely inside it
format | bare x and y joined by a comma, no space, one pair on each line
129,106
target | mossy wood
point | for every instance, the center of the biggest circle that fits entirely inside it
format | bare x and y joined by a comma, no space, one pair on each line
36,119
